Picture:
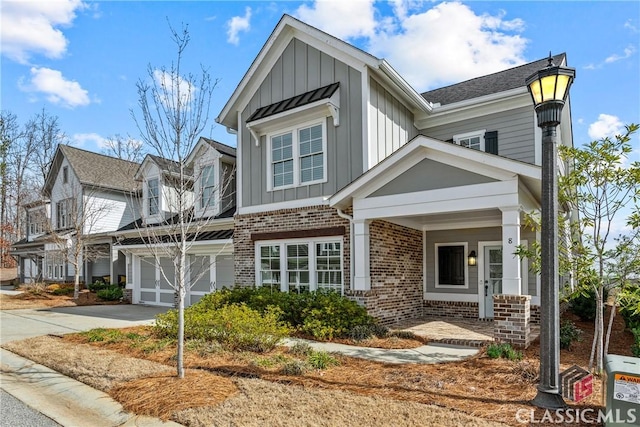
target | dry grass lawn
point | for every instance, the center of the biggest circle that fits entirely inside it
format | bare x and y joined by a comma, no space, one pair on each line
24,301
251,390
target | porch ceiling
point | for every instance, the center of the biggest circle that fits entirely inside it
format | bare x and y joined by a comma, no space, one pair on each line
450,221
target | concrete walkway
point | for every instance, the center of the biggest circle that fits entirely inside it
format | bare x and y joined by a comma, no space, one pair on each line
430,353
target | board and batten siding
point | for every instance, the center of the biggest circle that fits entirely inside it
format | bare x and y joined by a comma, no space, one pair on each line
516,132
390,123
302,68
472,236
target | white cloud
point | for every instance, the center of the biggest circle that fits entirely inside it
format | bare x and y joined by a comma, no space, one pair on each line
56,88
628,51
447,43
343,19
173,86
81,139
629,25
238,24
32,27
605,126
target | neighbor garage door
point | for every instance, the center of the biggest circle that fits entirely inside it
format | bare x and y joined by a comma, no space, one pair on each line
156,280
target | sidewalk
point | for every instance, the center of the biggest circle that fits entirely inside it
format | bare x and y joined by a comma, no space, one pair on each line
430,353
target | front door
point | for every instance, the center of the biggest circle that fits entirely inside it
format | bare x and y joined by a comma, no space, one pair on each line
492,277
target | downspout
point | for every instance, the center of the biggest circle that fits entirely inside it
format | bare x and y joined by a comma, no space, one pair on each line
349,218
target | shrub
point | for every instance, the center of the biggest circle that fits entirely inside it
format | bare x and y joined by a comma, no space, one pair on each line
360,332
322,314
294,367
569,333
629,302
112,293
583,304
635,347
406,335
236,327
301,349
379,330
97,286
62,290
321,360
505,351
53,287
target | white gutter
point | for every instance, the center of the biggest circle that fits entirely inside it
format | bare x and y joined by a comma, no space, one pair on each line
386,68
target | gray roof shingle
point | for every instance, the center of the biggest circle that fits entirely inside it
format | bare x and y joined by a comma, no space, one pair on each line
220,147
100,170
491,83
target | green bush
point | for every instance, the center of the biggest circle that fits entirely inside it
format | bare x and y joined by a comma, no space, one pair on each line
629,303
301,349
322,314
294,367
321,360
63,290
112,293
505,351
635,347
569,333
235,327
583,304
360,333
97,286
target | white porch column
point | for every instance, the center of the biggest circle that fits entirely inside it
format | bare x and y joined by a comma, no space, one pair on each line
114,262
511,271
361,263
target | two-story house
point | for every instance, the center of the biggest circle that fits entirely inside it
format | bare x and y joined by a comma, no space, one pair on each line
411,203
29,251
206,196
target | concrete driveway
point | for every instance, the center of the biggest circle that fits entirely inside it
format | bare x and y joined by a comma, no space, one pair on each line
21,324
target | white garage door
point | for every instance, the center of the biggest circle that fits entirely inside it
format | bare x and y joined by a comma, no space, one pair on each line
156,281
201,283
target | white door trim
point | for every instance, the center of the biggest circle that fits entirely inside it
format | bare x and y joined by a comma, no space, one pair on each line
481,273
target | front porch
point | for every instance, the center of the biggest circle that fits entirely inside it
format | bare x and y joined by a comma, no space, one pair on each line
455,331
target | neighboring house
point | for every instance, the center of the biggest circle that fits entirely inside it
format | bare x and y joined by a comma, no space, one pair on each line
87,197
207,198
30,250
409,203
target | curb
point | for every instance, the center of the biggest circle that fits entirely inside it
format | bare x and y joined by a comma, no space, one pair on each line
63,399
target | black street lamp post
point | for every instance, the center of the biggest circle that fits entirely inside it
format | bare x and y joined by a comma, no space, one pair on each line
549,88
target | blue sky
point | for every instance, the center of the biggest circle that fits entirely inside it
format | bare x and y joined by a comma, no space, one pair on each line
81,60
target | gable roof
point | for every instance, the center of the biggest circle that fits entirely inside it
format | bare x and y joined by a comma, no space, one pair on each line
492,83
166,166
294,102
93,169
422,147
220,147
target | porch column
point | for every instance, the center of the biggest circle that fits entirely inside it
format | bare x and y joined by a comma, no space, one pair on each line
511,271
361,263
113,268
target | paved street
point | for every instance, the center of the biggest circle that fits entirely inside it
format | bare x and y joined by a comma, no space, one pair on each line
16,414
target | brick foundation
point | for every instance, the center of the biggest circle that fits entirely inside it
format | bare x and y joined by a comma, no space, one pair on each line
535,314
512,319
466,310
127,295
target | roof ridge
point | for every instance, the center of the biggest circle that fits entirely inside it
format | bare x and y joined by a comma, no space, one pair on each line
97,154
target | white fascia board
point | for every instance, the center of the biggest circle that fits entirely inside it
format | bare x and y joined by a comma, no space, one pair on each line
419,103
287,29
476,107
459,199
293,204
147,249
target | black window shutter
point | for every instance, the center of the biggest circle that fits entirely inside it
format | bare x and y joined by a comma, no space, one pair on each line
491,142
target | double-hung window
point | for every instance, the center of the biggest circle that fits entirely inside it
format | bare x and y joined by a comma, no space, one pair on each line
207,187
298,156
300,265
153,196
64,214
474,140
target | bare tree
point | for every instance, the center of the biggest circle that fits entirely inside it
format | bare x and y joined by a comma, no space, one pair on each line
126,148
45,134
9,135
76,216
174,111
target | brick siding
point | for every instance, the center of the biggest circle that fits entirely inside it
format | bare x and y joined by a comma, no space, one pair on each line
466,310
512,319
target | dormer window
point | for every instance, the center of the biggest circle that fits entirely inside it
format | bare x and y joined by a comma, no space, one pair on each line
207,187
153,196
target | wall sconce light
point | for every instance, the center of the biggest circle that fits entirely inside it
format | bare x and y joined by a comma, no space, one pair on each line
473,259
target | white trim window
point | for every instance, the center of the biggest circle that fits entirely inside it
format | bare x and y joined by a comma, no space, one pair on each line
153,196
297,156
300,265
64,214
474,140
451,268
207,187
